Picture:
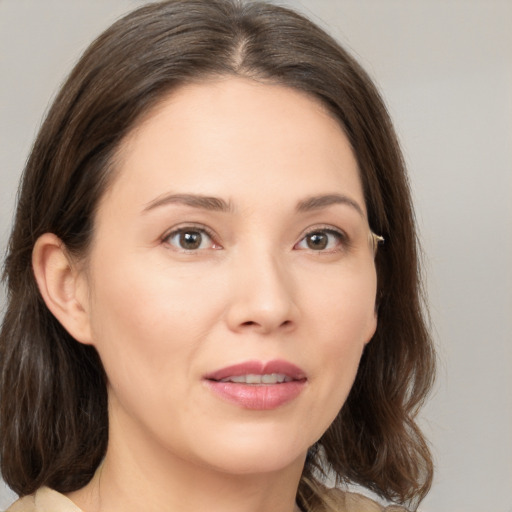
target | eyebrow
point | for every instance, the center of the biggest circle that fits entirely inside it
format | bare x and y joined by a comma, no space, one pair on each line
193,200
220,205
323,201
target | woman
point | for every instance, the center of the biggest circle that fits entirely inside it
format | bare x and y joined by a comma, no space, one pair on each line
201,313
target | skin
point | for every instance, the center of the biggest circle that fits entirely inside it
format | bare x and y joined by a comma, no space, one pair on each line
257,288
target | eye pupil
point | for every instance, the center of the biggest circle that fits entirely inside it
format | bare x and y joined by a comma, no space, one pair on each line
317,241
190,240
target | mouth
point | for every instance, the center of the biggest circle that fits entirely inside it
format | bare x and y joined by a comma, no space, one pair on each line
257,385
253,379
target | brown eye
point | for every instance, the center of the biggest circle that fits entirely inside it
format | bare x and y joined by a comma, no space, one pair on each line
321,240
317,241
189,239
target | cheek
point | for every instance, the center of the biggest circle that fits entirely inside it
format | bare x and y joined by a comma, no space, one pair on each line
138,295
146,327
342,309
343,320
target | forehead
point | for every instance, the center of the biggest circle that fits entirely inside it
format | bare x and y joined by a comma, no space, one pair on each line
231,136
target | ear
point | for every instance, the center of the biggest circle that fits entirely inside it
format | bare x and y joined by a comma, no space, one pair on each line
62,285
372,326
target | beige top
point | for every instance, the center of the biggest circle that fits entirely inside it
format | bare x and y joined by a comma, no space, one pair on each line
48,500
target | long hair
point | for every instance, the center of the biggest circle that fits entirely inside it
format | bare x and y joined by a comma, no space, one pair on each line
53,398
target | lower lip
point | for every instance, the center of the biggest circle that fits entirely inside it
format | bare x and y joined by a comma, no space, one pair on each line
262,397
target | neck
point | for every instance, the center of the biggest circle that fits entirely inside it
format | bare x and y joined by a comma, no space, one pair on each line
133,478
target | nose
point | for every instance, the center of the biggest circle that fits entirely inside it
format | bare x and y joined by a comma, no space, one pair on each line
261,296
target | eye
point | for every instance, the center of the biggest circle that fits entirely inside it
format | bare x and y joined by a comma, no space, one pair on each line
321,240
190,239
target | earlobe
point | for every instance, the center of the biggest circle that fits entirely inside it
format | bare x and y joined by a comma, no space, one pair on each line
62,286
373,327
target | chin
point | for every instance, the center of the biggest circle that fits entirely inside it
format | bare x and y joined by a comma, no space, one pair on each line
251,454
260,463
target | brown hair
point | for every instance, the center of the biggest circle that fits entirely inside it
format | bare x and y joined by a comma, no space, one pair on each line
53,398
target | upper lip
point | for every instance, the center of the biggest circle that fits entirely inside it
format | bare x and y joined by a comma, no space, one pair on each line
258,368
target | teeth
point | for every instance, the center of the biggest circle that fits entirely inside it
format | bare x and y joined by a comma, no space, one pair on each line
251,378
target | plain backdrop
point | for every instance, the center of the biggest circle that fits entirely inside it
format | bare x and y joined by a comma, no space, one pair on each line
445,70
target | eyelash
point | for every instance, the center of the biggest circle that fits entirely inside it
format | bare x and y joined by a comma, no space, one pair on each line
203,230
342,238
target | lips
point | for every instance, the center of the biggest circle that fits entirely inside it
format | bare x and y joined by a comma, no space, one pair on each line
257,385
253,379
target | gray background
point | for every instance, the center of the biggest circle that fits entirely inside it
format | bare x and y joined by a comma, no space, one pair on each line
445,69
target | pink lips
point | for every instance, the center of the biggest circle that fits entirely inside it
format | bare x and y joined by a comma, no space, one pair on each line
258,396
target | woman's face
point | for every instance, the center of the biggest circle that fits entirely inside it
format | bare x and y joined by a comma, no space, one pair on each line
231,280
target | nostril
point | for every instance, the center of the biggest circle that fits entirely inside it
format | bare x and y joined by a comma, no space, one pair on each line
251,323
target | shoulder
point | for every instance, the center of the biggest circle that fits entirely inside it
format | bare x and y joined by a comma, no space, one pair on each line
25,504
48,500
44,500
354,502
